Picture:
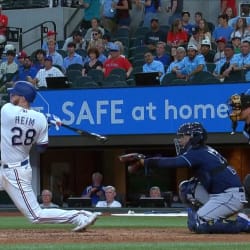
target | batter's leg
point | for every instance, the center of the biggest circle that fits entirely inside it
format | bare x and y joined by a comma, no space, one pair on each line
17,183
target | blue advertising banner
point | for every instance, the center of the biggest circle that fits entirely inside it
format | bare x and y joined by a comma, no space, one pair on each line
140,110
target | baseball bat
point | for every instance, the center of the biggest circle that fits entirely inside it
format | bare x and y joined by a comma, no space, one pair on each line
98,137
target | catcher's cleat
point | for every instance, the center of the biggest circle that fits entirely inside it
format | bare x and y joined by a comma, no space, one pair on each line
85,222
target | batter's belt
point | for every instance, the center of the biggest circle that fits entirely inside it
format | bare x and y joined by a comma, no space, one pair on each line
21,164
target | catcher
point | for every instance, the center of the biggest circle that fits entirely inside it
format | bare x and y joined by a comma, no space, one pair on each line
214,193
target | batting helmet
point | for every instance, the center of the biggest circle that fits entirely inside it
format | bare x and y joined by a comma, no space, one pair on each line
23,88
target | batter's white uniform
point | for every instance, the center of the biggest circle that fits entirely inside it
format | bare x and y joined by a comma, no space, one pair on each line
20,129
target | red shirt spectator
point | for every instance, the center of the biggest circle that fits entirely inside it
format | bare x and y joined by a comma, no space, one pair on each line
228,4
116,61
3,22
177,36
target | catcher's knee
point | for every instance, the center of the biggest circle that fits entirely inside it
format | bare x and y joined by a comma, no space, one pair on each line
192,193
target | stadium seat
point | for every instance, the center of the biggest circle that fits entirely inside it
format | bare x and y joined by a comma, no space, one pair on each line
75,66
96,74
84,82
121,32
120,72
73,74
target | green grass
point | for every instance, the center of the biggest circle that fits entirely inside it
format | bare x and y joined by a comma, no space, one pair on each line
103,222
130,246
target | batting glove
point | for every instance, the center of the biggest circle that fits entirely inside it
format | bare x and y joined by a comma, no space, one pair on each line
54,120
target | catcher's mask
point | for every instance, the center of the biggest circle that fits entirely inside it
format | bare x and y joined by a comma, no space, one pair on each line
237,103
198,136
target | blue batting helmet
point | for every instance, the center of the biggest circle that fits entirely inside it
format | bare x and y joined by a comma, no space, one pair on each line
25,89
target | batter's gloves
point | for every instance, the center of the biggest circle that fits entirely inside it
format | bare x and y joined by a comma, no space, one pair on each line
54,120
133,160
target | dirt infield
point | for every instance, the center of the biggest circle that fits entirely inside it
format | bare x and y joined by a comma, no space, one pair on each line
95,235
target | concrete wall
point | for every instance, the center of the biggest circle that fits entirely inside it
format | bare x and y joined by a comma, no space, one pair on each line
28,18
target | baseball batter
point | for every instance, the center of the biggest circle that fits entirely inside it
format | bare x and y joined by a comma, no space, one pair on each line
214,193
22,127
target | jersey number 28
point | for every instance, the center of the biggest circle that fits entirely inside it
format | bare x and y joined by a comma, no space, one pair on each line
20,138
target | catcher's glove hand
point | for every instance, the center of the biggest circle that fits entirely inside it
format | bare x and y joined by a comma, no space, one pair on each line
133,160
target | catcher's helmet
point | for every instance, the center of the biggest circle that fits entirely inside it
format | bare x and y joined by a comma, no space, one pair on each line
23,88
198,136
195,130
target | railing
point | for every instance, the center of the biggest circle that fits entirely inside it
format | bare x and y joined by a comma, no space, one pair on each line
43,30
67,24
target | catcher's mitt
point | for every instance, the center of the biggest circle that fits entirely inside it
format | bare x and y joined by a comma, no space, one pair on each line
133,160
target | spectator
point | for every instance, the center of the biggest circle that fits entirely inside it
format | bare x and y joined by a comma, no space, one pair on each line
152,8
194,63
196,38
47,200
177,36
95,25
155,192
21,57
161,54
175,9
223,29
177,65
230,14
155,35
221,43
93,63
106,41
26,70
48,71
96,190
39,59
185,19
152,65
206,51
96,39
57,58
73,57
91,10
122,13
3,29
9,66
116,61
197,17
109,16
51,34
76,38
110,201
102,58
236,41
225,4
121,47
241,29
222,69
243,60
204,30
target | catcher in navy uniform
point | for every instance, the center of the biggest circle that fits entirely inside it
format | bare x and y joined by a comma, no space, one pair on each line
214,194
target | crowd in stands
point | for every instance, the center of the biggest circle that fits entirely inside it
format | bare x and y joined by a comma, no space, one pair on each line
180,51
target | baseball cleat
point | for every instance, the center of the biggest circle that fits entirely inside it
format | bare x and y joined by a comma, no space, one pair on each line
242,220
85,222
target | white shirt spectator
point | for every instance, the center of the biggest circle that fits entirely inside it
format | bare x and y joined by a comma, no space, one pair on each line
43,73
106,204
